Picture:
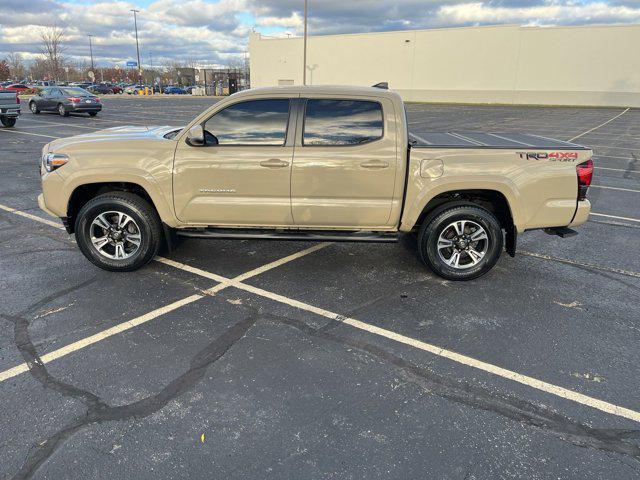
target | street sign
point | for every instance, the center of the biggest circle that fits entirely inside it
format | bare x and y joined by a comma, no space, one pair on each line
131,63
91,75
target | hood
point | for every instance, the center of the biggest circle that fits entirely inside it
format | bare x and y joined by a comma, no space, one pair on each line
125,133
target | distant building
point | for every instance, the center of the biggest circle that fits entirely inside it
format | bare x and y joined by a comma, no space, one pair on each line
218,81
586,65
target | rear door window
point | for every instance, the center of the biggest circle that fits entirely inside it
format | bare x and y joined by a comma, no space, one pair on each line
341,122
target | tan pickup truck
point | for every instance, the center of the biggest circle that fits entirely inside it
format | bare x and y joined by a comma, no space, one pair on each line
313,163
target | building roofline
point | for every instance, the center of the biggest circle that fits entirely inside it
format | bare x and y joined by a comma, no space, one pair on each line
472,27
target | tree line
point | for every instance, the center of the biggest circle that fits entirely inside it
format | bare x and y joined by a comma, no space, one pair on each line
52,64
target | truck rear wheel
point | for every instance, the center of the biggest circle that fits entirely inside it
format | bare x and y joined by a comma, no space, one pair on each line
461,243
118,231
8,121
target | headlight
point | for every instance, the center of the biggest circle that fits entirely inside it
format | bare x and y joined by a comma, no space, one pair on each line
51,161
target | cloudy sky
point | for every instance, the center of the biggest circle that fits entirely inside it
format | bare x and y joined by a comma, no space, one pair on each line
215,31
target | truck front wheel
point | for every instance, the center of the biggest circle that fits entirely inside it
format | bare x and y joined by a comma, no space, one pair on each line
461,243
118,231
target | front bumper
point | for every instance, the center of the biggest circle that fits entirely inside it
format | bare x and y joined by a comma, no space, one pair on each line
43,206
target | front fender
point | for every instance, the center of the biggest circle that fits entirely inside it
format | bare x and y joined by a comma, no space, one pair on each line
159,190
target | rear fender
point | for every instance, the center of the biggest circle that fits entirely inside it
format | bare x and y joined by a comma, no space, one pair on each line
416,206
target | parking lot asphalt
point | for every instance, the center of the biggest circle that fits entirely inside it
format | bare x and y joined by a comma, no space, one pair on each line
249,359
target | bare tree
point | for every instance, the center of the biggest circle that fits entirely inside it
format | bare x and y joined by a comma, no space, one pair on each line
190,62
4,70
52,49
172,67
38,68
16,66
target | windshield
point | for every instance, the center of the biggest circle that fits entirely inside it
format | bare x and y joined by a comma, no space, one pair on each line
75,91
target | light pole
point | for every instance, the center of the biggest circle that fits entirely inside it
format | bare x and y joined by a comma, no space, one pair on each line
91,50
304,53
135,24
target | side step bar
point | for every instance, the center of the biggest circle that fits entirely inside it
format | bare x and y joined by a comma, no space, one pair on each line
303,235
562,232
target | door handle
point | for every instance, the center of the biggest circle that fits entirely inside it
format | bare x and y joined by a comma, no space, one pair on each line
373,164
274,163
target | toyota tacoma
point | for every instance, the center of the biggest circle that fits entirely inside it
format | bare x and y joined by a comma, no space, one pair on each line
314,163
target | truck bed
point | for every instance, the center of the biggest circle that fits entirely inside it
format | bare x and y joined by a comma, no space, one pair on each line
488,140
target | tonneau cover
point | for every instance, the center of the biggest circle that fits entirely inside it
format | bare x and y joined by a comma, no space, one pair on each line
488,140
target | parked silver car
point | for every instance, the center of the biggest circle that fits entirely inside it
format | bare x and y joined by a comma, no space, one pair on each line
65,100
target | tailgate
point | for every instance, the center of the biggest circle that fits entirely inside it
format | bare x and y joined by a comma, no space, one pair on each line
8,100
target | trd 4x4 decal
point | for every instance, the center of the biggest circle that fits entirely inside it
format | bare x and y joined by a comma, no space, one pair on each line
553,156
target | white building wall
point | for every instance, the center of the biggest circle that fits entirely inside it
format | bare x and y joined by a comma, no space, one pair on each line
592,65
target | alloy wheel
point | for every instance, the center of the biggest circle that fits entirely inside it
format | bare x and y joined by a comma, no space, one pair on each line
463,244
115,235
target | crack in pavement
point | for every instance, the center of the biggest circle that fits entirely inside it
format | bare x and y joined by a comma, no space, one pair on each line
99,411
522,411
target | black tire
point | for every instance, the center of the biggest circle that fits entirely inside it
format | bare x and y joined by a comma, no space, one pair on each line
34,107
62,110
146,220
8,121
93,114
442,224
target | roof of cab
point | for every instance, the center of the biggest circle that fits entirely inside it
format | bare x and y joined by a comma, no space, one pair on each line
319,89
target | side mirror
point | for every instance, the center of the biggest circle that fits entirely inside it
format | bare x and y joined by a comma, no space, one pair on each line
195,138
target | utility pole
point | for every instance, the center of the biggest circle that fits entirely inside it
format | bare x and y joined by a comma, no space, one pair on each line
91,50
304,54
135,24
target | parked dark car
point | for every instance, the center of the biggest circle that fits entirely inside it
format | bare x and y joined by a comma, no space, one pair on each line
100,89
114,87
65,100
175,90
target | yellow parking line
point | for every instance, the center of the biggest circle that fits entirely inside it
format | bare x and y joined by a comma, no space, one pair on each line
616,188
620,271
44,123
382,332
439,351
615,217
98,337
617,169
124,326
27,133
599,126
32,217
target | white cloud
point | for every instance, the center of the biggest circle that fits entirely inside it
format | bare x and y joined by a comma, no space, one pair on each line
552,13
295,20
214,31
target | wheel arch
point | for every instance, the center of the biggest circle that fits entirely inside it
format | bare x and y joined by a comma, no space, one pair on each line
492,200
85,192
493,196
